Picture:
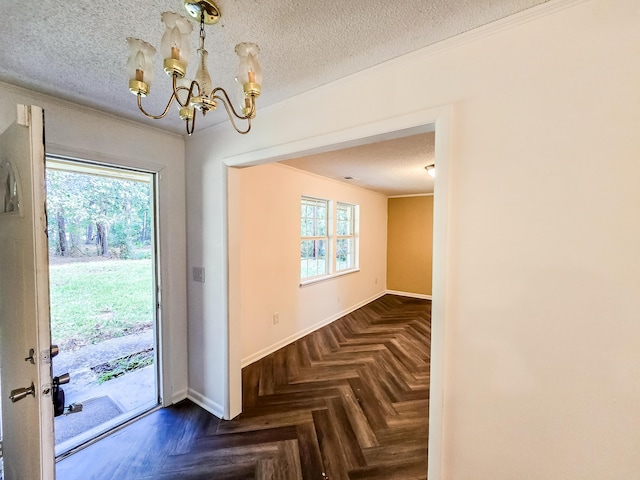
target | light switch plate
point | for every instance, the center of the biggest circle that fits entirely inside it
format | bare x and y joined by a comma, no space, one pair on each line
198,274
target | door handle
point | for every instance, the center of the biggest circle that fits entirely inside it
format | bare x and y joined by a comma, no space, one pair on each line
20,393
58,394
62,379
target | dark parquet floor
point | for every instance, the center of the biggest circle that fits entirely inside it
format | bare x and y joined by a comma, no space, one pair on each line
349,401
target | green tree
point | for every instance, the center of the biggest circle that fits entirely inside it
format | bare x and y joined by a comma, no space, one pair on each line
118,209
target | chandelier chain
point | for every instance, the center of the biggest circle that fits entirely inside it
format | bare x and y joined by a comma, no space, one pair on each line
202,32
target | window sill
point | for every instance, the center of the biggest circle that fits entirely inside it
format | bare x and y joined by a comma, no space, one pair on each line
311,281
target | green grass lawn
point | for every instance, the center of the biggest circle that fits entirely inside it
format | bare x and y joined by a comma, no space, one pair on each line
94,301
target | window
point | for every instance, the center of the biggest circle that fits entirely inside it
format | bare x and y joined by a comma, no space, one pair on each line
328,244
345,237
314,260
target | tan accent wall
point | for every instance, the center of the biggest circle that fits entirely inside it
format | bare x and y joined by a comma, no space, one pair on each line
410,244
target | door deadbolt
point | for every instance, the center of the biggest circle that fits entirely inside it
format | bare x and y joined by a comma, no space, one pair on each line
20,393
30,358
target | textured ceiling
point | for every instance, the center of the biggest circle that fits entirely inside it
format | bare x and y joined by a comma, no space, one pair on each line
392,167
77,51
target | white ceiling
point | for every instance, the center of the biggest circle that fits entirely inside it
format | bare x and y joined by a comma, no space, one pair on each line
77,50
391,167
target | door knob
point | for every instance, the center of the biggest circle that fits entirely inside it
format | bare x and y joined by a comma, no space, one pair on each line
20,393
62,379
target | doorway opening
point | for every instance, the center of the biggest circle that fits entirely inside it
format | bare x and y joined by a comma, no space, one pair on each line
438,119
103,268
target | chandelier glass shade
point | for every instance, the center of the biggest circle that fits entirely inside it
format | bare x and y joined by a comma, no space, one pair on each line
198,94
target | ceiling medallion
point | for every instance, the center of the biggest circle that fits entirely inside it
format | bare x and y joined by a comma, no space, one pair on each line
197,94
197,7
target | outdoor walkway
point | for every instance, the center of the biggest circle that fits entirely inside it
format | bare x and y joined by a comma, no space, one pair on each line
106,401
83,385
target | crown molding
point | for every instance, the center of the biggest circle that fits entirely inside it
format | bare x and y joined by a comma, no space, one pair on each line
507,23
59,102
412,195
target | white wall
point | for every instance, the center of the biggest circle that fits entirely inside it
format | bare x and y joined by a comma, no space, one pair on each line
83,133
264,257
538,311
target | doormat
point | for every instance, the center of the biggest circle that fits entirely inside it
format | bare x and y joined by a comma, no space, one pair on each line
94,412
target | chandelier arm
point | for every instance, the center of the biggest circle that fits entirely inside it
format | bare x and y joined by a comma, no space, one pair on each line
249,116
231,113
252,112
193,124
189,89
186,102
176,89
156,117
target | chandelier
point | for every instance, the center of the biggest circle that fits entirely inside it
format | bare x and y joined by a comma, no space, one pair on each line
198,94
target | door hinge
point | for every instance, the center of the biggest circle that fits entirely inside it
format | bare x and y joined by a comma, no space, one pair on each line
24,115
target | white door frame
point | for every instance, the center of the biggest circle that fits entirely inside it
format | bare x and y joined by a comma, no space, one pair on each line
165,322
413,123
84,167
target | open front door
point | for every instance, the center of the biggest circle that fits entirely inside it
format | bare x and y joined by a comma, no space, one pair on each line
27,408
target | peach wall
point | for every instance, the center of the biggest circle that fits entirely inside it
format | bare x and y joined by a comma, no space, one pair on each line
410,244
264,256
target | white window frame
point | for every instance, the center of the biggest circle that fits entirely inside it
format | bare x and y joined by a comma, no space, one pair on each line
310,202
331,238
351,237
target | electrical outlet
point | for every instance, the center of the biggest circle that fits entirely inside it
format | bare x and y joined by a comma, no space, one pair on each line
276,318
198,274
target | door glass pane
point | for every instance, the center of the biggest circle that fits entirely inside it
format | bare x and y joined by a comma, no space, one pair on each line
102,285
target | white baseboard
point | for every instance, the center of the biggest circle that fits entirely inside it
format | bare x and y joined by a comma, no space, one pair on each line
408,294
179,395
298,335
206,403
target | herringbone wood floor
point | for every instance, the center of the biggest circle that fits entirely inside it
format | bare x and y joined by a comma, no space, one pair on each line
349,401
